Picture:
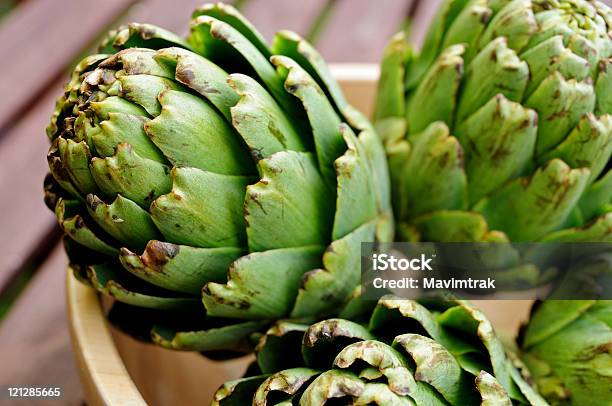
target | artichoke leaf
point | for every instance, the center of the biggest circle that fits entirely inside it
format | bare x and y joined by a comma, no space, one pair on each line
468,320
283,385
138,35
124,220
204,209
127,289
261,122
116,104
380,394
560,105
602,87
330,385
190,132
597,197
125,128
583,367
247,294
73,223
276,350
468,27
438,368
356,203
499,140
291,45
219,338
200,75
589,145
66,101
552,56
324,121
379,169
230,15
436,168
514,21
496,69
324,340
599,230
491,392
75,158
552,191
144,90
447,13
323,290
291,196
398,157
407,316
60,175
552,318
452,226
435,97
227,39
237,392
391,96
138,179
393,366
180,268
135,61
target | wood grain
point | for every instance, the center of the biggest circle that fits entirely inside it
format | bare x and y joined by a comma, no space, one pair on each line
39,39
35,346
358,30
25,219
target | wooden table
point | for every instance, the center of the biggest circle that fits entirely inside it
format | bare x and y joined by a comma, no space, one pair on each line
39,42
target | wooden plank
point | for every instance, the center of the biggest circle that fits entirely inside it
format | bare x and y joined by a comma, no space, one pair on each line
359,29
24,217
270,16
39,39
35,348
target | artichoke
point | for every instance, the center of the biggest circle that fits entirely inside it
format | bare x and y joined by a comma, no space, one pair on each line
500,130
214,185
567,346
400,353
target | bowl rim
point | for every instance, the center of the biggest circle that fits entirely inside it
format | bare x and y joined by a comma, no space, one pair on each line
103,374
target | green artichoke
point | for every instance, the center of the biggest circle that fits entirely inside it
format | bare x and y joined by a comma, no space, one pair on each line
500,130
401,353
567,346
215,184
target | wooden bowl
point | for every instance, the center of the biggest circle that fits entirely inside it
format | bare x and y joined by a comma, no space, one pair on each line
118,370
